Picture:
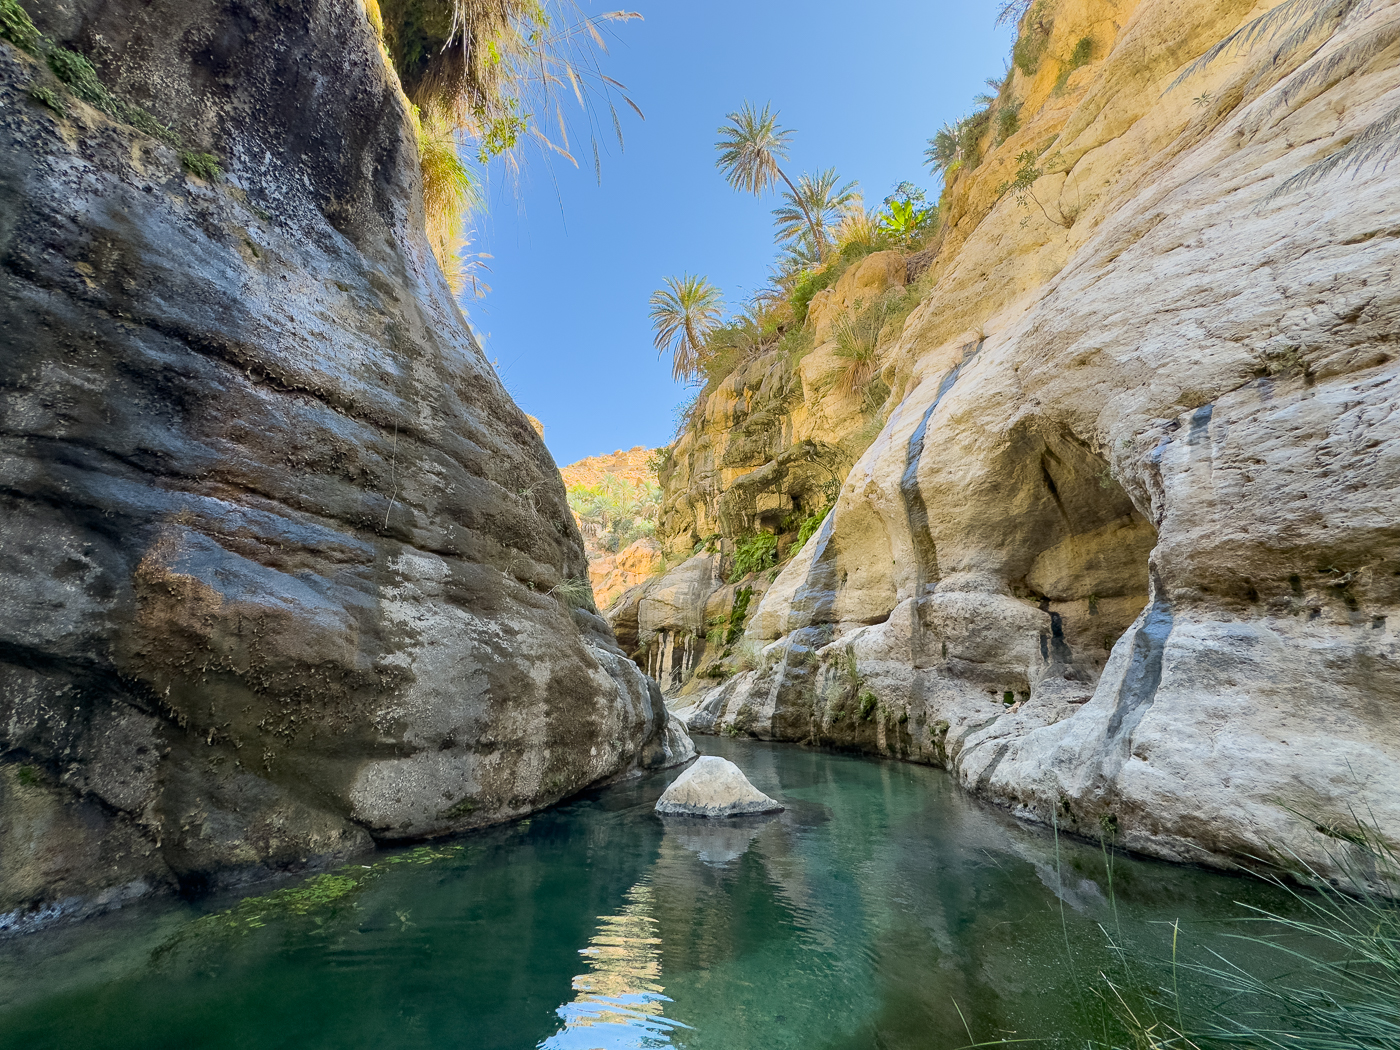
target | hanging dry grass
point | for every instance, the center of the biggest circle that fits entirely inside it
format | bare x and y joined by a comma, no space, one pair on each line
488,75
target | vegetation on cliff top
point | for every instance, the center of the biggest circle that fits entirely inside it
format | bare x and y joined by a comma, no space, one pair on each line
614,499
487,76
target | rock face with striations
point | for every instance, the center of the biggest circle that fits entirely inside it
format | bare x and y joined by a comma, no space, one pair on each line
1126,552
279,558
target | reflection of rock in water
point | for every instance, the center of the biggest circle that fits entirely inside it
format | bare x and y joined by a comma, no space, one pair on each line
717,842
619,999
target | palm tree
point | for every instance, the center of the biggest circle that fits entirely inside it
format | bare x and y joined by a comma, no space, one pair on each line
750,146
684,313
819,202
944,149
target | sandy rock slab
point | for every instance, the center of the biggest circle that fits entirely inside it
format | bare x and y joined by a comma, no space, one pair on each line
714,787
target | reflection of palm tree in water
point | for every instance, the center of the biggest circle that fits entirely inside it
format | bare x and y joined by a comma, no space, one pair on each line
619,999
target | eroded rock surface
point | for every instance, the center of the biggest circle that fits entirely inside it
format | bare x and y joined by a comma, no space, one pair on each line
714,787
280,562
1126,552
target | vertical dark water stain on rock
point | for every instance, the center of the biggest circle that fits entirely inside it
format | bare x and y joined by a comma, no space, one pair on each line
925,550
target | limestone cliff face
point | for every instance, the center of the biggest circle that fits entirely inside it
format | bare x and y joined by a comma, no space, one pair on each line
279,558
1125,551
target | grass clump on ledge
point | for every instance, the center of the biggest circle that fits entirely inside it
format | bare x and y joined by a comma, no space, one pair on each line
201,165
1082,55
575,594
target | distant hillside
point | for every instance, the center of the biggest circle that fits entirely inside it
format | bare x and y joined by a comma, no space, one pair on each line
616,500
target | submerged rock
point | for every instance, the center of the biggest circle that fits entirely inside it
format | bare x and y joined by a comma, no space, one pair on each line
714,787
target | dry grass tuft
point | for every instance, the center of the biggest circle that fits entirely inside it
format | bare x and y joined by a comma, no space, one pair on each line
489,75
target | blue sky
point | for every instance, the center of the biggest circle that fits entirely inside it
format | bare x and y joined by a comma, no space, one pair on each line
863,86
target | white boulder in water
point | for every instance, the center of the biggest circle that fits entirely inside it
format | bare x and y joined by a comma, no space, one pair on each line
714,787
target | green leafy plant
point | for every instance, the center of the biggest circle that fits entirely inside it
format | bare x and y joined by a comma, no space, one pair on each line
1035,25
754,554
47,97
659,461
77,72
810,525
738,613
202,165
16,27
1023,187
905,216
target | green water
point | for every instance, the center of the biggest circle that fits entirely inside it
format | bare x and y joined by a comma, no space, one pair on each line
883,909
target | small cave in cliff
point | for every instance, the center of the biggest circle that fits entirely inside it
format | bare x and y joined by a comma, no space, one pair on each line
1077,545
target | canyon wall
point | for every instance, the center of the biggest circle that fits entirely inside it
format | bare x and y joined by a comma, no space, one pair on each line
283,571
1125,552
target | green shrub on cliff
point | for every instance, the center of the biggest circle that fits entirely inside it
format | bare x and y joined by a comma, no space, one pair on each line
809,526
77,72
1082,55
1031,40
754,554
16,27
202,165
1008,122
906,217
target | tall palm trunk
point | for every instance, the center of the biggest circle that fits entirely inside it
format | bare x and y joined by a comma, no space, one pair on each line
816,238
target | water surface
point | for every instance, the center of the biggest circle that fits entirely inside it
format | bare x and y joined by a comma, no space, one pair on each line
884,908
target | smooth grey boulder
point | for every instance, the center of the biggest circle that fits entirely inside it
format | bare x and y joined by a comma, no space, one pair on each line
714,787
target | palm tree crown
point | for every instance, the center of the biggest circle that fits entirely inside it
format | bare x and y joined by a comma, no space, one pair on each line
684,313
818,205
750,146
